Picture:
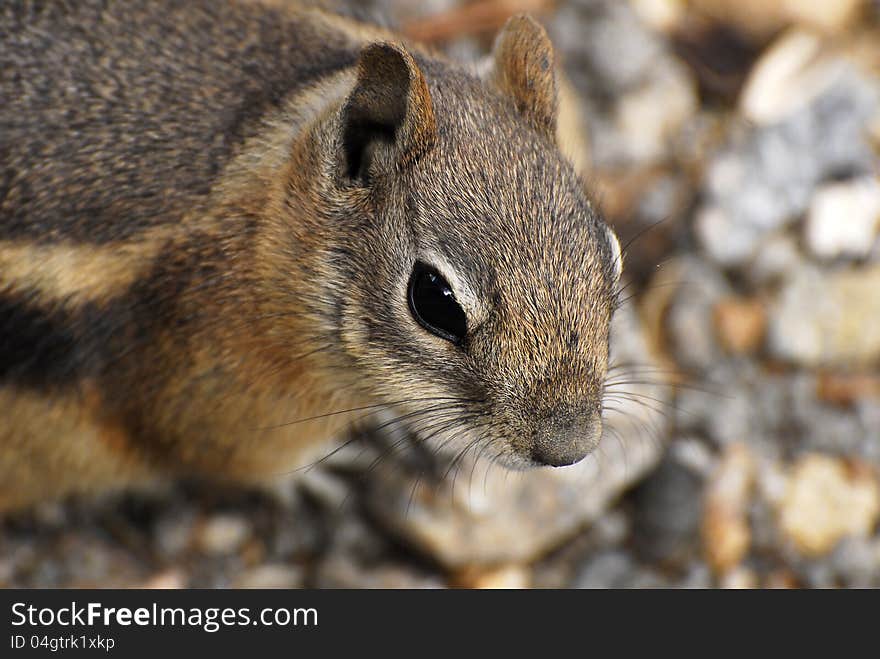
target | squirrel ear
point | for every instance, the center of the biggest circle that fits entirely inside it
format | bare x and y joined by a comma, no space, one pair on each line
388,118
523,69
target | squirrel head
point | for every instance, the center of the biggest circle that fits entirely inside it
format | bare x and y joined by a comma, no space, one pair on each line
467,279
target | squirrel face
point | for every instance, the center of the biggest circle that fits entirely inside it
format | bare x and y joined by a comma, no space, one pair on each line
477,296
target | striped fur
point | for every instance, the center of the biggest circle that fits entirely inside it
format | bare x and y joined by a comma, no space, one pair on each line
209,210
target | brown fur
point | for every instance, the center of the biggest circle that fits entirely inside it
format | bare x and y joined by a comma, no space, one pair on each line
226,200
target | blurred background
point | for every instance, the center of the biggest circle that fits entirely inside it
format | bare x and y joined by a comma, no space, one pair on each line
735,147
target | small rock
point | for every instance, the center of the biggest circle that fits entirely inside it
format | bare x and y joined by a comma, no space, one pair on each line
223,534
173,533
778,255
828,318
759,19
788,76
660,15
857,561
726,241
338,571
739,578
868,413
699,287
504,577
698,576
827,500
356,540
825,428
781,579
557,568
650,116
826,16
771,481
7,571
668,509
51,514
726,533
608,569
818,574
617,569
732,414
694,454
329,490
271,575
170,579
845,389
755,18
740,324
844,218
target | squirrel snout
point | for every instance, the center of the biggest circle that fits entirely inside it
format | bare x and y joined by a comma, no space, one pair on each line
564,443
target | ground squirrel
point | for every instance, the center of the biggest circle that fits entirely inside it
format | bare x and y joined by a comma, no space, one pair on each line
221,223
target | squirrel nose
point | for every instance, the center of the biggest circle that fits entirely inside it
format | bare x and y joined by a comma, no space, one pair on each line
561,444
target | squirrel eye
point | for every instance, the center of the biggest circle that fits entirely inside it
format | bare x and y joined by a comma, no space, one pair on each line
433,305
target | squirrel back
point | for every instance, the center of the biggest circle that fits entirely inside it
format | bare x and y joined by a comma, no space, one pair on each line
223,224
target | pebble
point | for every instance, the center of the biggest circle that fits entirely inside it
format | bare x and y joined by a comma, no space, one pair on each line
725,526
868,413
827,317
340,572
844,218
787,77
857,561
846,389
698,576
776,256
725,240
327,489
649,117
173,533
169,579
781,579
828,499
824,427
690,317
660,15
222,534
759,18
616,569
608,569
830,17
270,575
501,577
668,509
698,410
739,578
740,324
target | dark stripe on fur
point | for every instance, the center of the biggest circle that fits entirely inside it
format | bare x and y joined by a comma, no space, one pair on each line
40,348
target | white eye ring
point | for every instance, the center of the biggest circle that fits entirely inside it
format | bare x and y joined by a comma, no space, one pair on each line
616,253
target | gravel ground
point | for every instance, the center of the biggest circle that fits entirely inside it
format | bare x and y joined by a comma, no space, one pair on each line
736,145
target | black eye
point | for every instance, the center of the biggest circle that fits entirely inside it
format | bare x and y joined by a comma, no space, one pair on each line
432,303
